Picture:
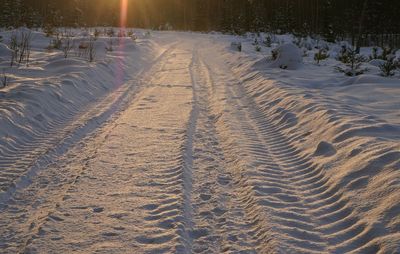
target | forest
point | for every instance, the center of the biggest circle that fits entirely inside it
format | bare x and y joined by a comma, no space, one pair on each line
332,19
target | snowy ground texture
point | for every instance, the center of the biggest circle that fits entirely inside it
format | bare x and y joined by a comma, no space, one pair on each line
178,143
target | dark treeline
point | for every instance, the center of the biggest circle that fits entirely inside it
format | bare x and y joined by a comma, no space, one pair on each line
330,18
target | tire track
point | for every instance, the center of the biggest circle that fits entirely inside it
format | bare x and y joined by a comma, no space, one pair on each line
168,223
33,208
324,203
21,160
307,213
219,222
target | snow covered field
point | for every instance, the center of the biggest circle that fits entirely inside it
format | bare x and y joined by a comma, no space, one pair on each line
179,143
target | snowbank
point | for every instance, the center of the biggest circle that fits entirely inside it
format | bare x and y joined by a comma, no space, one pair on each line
347,129
377,62
289,57
5,52
51,91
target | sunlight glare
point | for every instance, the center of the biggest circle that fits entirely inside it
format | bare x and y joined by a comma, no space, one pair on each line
124,13
123,24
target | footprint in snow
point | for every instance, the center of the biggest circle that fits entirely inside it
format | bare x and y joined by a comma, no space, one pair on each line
98,209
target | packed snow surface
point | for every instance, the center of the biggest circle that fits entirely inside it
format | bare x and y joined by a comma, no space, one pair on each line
175,143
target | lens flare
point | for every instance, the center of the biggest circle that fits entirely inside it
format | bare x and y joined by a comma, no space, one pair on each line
119,75
124,13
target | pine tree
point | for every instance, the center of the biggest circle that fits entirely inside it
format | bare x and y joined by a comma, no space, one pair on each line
5,13
10,13
327,22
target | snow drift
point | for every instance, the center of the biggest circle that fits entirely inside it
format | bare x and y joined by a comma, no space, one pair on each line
288,57
344,139
43,97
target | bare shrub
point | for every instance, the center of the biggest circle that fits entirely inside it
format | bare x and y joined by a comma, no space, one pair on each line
111,32
4,80
110,45
96,33
14,48
25,46
20,44
121,33
91,49
49,30
82,49
67,46
56,43
86,49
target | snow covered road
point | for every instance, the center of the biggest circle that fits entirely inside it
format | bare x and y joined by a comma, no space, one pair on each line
191,164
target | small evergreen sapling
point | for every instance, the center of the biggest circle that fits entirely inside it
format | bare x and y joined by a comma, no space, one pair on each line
386,53
389,67
322,54
353,62
255,42
256,45
343,55
374,54
302,42
297,41
274,54
268,41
